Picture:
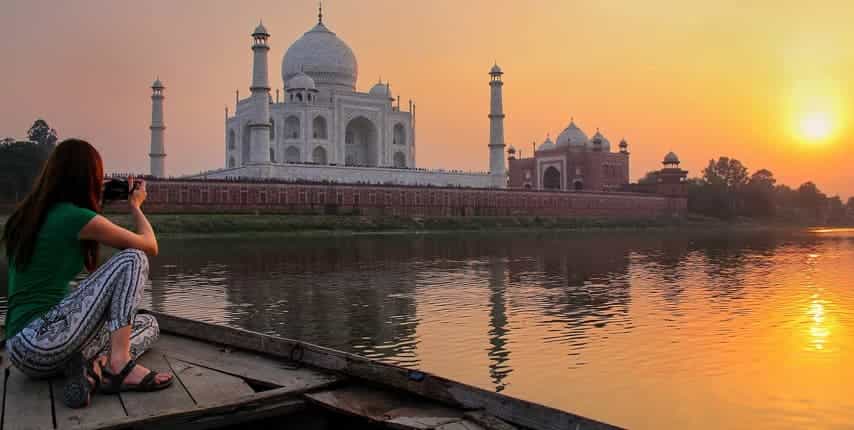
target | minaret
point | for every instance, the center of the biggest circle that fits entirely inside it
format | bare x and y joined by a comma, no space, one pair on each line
259,125
496,129
157,153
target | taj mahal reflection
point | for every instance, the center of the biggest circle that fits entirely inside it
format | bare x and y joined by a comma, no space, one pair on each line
368,295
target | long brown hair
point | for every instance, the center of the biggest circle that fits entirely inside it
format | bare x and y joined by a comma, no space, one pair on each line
73,173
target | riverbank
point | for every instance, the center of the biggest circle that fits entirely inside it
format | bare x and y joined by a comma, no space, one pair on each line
181,225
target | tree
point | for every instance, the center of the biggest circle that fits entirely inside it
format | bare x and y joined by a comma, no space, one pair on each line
727,172
758,194
41,133
22,161
812,201
651,177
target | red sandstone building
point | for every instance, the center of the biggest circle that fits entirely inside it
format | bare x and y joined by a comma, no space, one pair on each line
573,162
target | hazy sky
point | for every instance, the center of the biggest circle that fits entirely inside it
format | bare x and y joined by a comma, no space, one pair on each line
749,79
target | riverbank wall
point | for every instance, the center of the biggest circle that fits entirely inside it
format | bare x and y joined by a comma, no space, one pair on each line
211,196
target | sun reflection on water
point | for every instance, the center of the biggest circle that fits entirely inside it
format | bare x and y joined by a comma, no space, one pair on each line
819,329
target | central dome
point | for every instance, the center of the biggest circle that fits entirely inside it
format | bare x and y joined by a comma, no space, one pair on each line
320,54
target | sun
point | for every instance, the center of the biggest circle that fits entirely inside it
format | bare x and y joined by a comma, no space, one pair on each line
816,126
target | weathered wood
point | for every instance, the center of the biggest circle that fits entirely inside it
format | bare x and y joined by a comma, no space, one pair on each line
100,408
396,409
277,402
28,403
145,404
488,422
514,411
208,386
259,369
462,425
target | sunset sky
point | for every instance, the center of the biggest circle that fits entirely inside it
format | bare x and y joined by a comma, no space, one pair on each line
767,82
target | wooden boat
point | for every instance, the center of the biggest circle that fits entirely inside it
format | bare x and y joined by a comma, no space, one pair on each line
228,377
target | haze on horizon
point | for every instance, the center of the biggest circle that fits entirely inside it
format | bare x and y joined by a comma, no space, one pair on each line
768,83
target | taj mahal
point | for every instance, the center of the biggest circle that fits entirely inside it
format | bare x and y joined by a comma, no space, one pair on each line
321,128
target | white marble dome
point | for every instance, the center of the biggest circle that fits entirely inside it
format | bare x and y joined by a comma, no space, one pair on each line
381,89
606,144
572,136
548,144
324,57
300,81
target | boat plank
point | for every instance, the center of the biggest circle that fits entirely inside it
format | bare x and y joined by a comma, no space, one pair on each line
512,410
101,408
208,386
28,402
144,404
250,366
277,402
392,408
462,425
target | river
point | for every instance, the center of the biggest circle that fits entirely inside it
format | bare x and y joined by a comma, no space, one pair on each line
647,330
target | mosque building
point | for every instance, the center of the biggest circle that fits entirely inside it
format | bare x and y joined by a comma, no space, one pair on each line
321,128
572,162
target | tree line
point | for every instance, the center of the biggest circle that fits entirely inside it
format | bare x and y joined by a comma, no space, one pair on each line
727,190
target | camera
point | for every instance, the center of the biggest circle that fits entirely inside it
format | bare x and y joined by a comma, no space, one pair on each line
118,189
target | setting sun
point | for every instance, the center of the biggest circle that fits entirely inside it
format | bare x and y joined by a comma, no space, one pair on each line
816,126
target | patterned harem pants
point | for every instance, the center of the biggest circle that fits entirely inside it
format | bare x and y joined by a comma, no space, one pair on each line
105,301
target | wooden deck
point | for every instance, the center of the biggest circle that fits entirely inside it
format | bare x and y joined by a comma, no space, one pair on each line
228,376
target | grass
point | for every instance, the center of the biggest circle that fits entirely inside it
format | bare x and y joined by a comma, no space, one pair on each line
178,225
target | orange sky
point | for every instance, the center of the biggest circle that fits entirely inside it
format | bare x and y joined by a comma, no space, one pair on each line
719,78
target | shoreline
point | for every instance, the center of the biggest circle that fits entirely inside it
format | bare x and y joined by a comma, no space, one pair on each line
176,226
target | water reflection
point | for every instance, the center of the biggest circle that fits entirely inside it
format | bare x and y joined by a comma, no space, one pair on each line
645,330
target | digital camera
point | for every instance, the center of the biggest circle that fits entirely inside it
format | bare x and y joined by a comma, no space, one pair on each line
118,189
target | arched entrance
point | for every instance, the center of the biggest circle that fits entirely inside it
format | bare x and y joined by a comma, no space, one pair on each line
399,135
292,154
244,144
360,138
578,185
399,159
319,155
551,179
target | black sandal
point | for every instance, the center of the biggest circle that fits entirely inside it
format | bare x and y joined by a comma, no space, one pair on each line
115,383
78,390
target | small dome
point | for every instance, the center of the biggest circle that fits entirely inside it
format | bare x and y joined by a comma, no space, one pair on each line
260,30
300,81
671,158
511,150
548,144
495,70
624,144
381,89
572,136
606,144
157,84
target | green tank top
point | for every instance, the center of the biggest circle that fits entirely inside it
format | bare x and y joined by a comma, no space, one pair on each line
57,259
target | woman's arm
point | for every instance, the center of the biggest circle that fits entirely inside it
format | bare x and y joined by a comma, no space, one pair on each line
104,231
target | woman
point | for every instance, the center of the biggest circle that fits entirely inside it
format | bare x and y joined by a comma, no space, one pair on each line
92,333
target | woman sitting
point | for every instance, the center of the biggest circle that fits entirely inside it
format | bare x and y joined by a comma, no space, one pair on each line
92,332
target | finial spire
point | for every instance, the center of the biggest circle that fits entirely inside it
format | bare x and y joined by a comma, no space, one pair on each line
320,11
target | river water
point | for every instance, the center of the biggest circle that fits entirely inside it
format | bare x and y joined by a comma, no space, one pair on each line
644,330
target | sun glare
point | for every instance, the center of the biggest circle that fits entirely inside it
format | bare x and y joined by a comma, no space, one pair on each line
816,111
816,126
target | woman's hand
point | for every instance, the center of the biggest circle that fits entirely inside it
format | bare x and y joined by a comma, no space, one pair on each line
137,194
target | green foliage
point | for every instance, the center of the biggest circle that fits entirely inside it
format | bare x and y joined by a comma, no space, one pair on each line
726,191
21,161
651,177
